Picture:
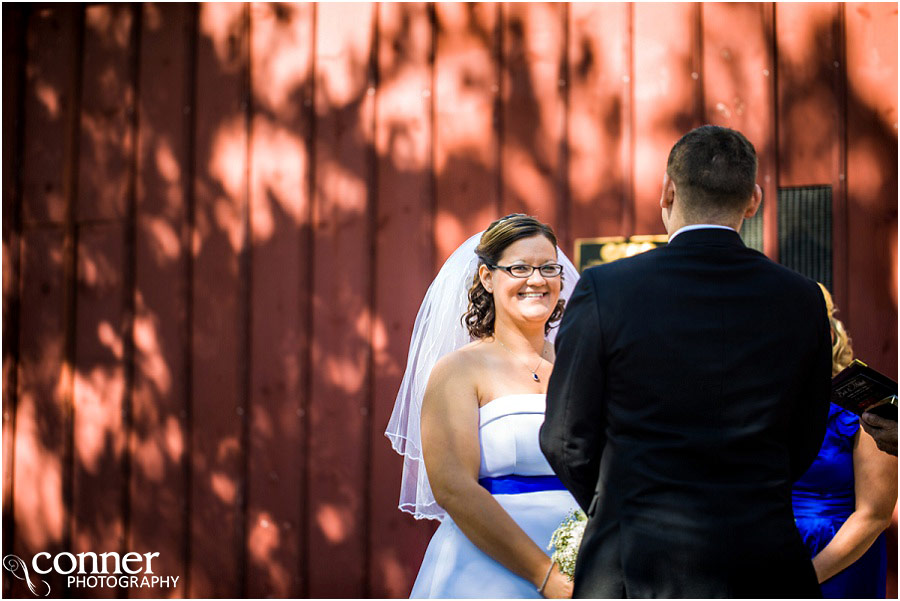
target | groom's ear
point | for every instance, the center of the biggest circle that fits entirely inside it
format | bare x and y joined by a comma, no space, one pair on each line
755,201
667,198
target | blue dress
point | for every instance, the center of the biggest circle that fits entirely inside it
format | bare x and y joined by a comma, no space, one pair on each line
823,499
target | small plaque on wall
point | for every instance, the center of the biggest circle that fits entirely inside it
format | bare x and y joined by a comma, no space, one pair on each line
597,251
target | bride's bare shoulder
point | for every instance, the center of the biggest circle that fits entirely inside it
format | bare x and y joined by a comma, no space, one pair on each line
459,369
464,358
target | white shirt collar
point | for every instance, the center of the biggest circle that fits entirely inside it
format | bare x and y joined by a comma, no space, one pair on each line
701,226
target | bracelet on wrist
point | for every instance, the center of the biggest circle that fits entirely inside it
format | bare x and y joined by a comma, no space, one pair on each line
540,589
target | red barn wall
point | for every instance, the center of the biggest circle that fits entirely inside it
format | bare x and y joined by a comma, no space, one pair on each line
219,221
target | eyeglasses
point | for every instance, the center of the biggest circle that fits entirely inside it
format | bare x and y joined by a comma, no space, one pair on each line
550,270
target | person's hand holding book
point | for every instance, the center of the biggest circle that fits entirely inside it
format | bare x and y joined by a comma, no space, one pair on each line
882,429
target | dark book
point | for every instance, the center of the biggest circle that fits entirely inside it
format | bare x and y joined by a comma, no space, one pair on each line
859,388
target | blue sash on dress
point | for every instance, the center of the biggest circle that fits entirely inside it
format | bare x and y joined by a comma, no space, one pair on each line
513,484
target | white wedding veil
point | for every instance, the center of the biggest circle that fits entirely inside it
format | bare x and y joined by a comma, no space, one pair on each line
438,330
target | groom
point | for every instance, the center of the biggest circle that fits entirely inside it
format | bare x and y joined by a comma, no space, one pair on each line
690,389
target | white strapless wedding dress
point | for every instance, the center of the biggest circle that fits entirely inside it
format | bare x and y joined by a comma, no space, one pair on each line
455,568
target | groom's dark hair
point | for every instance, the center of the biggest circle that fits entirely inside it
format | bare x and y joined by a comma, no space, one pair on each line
714,170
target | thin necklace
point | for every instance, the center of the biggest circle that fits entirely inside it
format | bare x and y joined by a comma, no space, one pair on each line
533,371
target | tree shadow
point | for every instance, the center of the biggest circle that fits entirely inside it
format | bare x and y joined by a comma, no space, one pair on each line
250,321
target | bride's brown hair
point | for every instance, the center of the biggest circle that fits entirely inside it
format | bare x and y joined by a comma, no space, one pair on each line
479,318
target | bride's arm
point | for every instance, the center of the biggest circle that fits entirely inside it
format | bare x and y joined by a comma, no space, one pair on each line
452,457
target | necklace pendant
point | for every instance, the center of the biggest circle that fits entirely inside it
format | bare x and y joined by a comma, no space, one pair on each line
535,376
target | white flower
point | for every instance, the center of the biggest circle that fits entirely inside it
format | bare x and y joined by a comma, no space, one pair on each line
566,540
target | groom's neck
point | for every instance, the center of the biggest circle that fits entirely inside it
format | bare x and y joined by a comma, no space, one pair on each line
676,221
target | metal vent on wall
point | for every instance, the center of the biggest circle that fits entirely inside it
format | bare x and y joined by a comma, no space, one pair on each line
804,231
752,231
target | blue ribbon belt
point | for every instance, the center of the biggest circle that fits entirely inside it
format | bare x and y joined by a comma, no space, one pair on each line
513,485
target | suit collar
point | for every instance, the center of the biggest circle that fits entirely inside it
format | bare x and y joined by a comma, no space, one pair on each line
708,237
699,226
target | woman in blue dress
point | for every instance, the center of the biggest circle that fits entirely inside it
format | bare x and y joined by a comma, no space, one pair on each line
845,501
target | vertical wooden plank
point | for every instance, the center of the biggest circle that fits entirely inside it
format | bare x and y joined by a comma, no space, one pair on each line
808,54
14,59
599,120
217,361
870,309
466,91
281,68
99,436
51,39
41,416
158,440
403,143
739,81
666,94
533,114
344,99
43,409
810,134
103,187
107,110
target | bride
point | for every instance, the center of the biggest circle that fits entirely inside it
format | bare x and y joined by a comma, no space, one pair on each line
470,436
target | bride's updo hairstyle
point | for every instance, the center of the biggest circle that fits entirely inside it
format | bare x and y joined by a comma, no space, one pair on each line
479,318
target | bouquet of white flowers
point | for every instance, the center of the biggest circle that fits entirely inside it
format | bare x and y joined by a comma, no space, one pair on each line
565,542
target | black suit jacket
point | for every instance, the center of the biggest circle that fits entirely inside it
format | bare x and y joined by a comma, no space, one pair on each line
691,388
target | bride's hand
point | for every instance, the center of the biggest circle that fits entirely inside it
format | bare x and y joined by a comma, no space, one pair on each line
558,585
